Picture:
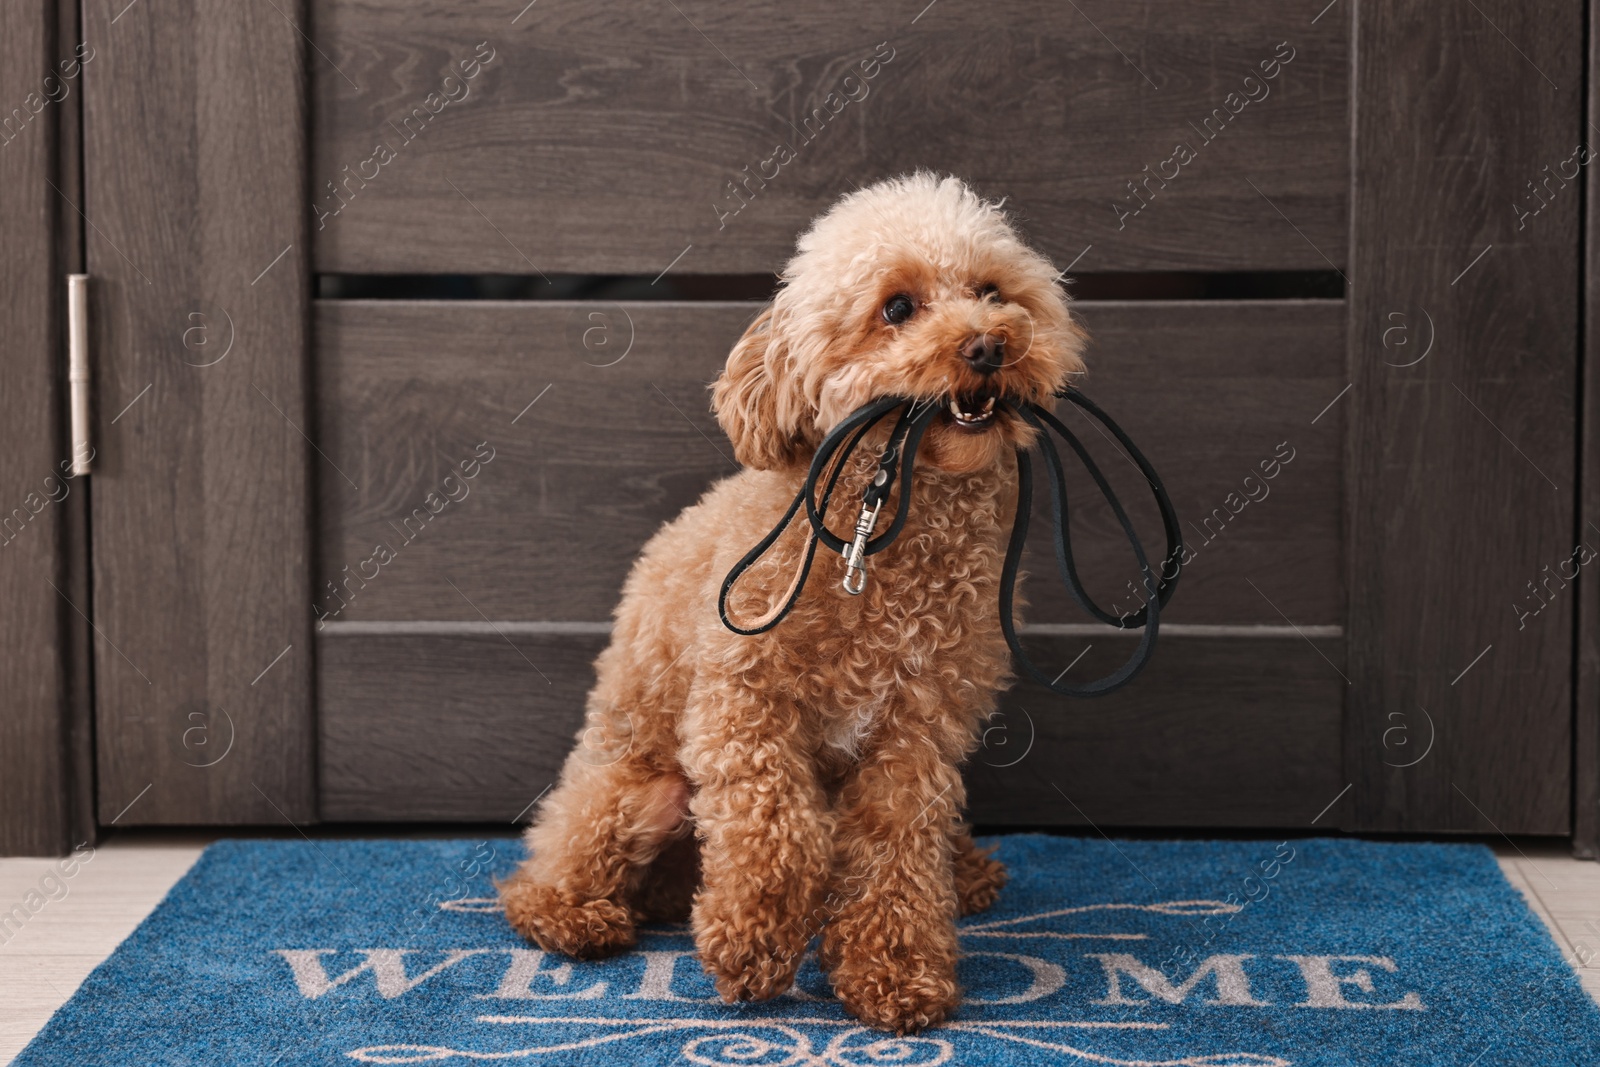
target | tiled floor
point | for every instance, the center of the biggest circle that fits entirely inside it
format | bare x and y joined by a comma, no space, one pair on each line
41,965
107,897
1566,894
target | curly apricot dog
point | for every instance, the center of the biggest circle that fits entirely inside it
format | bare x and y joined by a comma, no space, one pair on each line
806,780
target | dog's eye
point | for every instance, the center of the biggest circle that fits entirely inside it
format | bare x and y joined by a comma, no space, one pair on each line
897,309
989,292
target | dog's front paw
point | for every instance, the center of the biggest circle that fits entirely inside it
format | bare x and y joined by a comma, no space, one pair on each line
559,921
896,979
751,951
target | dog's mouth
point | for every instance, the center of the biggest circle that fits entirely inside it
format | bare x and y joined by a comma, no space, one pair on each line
973,412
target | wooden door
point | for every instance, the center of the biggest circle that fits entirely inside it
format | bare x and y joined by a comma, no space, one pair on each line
377,545
197,249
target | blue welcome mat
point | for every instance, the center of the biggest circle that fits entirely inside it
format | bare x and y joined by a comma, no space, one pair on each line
1200,954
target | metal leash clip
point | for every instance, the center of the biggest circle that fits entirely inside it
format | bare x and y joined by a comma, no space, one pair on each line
855,558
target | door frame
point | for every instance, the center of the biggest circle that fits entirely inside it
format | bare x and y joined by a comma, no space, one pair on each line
46,733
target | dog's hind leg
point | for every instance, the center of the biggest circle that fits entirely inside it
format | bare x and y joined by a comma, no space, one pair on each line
979,876
589,846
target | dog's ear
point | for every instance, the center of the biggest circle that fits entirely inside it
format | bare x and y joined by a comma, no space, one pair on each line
748,404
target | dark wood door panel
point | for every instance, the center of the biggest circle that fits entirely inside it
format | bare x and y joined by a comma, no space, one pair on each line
580,463
1462,466
1217,732
547,525
603,137
446,727
201,490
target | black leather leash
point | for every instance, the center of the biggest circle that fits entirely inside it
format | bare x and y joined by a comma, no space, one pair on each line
899,457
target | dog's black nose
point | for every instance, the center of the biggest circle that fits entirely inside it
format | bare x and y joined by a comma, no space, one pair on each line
985,353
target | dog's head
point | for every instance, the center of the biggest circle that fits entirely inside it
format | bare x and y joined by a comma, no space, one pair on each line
913,287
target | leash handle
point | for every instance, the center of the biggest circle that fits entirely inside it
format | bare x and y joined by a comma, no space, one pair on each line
1164,586
1148,618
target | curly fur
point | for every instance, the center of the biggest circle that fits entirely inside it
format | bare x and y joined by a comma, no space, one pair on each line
807,780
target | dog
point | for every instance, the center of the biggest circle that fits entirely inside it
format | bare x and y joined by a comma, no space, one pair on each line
806,780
